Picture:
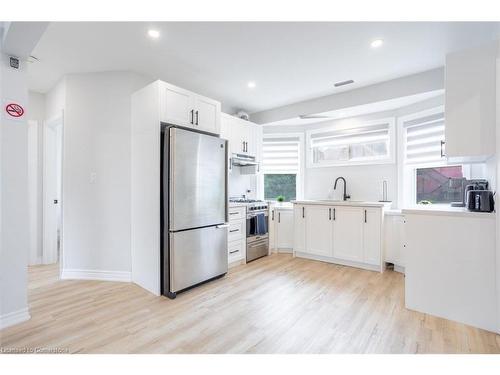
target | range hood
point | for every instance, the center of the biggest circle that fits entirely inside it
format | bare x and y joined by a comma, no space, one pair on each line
241,160
247,164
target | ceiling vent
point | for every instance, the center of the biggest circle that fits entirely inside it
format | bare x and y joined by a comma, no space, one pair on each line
343,83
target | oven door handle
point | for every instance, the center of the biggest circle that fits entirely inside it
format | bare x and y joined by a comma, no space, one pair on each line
258,243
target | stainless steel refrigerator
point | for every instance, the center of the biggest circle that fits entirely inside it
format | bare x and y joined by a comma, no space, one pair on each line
194,208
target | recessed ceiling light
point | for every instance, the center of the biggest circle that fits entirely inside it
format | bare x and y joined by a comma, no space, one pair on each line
376,43
154,33
251,85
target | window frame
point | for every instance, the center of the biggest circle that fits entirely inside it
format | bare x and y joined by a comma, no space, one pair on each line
391,159
299,182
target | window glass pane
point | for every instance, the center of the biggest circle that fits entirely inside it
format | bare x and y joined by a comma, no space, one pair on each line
280,184
435,185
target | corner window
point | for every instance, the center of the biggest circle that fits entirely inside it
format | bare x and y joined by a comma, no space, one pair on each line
439,184
370,143
281,166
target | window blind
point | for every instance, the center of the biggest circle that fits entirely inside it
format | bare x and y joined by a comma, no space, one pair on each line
362,143
280,155
423,139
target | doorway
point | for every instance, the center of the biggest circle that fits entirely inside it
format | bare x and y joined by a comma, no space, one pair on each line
52,190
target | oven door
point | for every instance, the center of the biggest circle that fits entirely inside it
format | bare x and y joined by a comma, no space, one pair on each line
256,229
257,247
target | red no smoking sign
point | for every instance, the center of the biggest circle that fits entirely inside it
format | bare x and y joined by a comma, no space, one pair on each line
14,110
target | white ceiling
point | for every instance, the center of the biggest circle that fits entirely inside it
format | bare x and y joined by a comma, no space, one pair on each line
289,62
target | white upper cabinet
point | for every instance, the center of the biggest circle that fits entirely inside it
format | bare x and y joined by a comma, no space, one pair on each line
319,230
241,134
372,235
182,107
347,233
206,114
470,108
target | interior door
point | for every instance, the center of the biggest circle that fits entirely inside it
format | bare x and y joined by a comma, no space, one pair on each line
207,114
319,221
177,106
348,233
197,180
52,197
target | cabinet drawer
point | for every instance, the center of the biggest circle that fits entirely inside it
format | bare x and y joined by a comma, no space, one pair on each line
236,229
236,250
236,213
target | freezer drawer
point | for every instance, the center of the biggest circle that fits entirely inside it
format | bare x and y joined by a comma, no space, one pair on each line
197,255
197,180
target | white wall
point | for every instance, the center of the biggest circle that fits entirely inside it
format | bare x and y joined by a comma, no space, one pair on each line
14,231
97,126
238,183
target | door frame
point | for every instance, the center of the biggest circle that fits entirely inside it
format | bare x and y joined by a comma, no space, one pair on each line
56,122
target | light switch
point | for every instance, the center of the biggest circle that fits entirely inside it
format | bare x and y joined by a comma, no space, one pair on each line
93,177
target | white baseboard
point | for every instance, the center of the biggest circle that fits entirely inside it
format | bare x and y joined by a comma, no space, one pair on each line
76,274
14,317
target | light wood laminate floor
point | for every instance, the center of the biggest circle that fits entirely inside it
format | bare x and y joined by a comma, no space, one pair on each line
276,304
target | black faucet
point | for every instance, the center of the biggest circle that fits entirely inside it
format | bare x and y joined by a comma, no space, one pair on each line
345,196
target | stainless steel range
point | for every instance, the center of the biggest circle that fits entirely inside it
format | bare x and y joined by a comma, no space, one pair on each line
257,228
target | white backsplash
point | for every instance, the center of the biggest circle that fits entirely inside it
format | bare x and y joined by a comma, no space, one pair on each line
240,183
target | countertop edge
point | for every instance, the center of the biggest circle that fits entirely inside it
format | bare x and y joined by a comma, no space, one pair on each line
448,212
344,203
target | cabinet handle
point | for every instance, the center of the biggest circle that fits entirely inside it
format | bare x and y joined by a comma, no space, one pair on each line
365,216
196,118
233,213
243,146
279,217
232,252
192,116
272,215
303,214
334,214
442,152
329,214
234,230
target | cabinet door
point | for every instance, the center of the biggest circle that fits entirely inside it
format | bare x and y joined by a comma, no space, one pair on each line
348,233
372,235
299,228
207,114
250,139
319,230
272,228
177,105
284,229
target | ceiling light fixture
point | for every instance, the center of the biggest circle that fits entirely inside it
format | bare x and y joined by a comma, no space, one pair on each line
251,85
376,43
154,33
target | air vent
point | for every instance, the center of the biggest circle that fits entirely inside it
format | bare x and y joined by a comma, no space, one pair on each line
343,83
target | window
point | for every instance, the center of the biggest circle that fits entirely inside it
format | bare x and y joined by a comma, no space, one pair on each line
439,184
424,139
281,166
370,143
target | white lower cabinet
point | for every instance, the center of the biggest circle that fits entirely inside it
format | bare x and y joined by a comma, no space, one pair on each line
372,236
339,234
299,228
236,240
284,229
347,230
318,229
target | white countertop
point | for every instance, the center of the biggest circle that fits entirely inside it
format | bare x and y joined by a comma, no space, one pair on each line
344,203
445,210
